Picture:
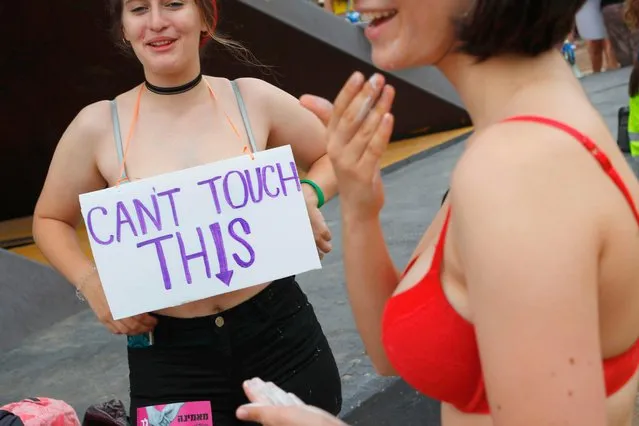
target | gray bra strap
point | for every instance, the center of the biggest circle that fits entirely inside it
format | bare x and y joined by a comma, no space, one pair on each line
245,118
118,136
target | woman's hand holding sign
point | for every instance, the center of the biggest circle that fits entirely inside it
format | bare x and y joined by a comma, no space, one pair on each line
359,129
95,297
321,232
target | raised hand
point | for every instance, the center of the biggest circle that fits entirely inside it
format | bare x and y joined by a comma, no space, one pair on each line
359,128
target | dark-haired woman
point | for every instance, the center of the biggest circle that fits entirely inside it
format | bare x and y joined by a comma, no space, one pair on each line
520,305
201,351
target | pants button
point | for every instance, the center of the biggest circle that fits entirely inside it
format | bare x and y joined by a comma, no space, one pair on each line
219,321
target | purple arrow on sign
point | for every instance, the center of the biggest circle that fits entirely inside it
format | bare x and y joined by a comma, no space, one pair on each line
225,275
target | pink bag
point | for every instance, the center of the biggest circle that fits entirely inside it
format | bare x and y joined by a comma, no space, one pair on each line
39,412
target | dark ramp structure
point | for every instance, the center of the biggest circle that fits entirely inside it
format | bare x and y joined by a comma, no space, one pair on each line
314,51
61,58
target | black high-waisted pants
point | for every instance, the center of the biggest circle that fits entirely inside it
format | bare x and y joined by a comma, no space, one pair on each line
275,336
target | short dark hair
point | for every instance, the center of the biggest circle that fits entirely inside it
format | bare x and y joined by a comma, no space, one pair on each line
518,27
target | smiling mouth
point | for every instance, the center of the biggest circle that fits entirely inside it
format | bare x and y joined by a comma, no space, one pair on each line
374,19
161,43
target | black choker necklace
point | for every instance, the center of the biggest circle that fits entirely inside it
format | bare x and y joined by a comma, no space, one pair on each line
174,90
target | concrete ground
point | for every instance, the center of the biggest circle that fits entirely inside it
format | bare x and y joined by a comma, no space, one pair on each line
77,360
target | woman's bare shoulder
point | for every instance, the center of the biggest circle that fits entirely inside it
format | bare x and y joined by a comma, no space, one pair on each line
96,119
258,90
527,146
91,122
540,163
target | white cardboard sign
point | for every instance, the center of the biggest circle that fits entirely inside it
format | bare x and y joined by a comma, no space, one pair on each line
188,235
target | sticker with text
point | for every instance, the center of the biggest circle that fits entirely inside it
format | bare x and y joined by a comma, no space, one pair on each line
180,413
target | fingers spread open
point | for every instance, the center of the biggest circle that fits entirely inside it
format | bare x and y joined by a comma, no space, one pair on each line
364,135
345,97
358,110
374,150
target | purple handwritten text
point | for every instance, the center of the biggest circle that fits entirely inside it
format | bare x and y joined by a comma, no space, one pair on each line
92,231
247,231
143,211
220,240
121,211
169,195
239,187
166,277
188,257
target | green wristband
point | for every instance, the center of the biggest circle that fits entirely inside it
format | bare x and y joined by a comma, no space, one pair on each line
318,191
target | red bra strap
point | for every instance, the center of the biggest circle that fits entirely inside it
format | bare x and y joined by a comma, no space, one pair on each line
438,256
592,147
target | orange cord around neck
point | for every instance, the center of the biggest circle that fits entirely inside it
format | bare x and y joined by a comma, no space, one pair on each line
136,115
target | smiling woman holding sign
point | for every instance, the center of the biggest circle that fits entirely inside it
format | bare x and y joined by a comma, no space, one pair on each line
133,161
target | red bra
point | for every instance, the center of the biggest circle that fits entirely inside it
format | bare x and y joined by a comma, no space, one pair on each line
443,363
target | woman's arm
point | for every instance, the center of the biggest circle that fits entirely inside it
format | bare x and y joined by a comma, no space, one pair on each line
291,124
371,279
529,248
360,127
73,171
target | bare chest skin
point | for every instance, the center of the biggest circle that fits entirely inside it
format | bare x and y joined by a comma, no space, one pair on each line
170,137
